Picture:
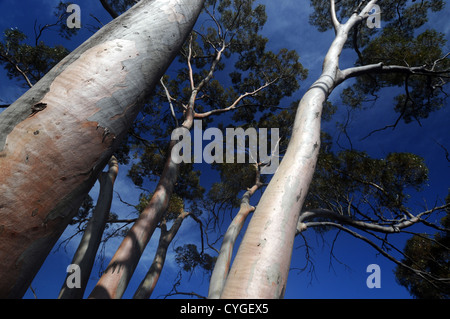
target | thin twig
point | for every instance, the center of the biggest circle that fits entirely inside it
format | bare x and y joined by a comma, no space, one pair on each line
169,99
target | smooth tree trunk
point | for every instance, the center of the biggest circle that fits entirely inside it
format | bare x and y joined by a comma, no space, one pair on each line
148,284
114,281
117,275
84,256
57,137
261,266
223,261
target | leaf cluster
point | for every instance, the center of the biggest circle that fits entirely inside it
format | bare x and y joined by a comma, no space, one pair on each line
399,42
20,58
188,258
351,182
424,253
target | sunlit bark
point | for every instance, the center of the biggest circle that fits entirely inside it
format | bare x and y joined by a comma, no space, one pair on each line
261,266
50,159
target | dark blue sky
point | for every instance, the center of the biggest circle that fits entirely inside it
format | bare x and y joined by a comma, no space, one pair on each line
287,27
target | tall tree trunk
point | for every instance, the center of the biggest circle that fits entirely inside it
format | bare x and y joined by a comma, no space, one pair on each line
117,275
57,137
113,283
223,261
145,289
84,257
261,266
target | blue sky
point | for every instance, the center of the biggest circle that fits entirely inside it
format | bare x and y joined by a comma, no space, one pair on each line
287,27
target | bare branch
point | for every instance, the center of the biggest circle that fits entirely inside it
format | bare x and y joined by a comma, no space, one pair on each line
447,154
423,274
16,66
334,19
169,98
385,69
394,228
219,27
199,222
189,59
235,103
212,68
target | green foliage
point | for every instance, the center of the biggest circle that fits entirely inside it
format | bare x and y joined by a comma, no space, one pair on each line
245,66
402,14
398,42
355,181
237,29
176,205
188,257
235,178
424,253
422,93
33,61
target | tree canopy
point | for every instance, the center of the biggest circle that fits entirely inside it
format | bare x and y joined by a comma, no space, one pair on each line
228,74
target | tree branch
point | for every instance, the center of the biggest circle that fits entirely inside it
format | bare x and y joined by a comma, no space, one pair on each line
199,222
16,66
423,274
235,103
169,98
331,215
334,19
189,58
358,18
386,69
212,68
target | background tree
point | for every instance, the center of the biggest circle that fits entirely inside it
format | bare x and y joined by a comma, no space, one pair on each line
264,79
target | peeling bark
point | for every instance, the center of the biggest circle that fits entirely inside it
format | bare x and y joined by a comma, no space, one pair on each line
49,161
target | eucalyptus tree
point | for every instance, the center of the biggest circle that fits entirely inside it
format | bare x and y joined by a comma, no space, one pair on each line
260,80
315,187
262,263
57,137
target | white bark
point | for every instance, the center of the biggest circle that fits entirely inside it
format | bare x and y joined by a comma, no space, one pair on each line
84,257
261,266
50,160
223,261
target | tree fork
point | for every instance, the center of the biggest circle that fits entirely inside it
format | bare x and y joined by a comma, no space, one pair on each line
49,161
261,265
